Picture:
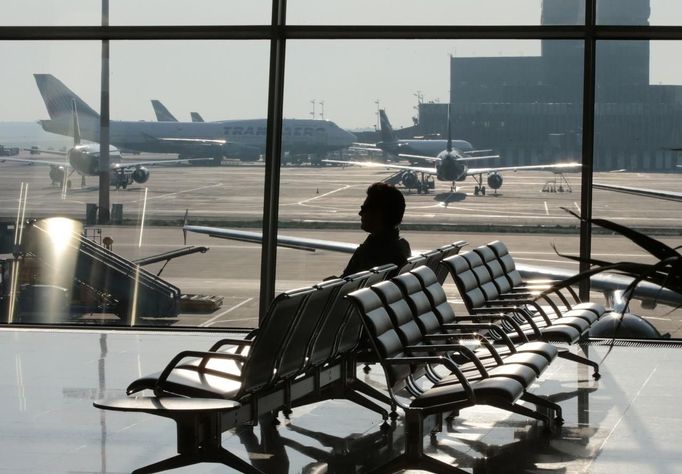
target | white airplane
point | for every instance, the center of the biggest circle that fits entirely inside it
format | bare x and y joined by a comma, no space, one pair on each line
244,139
84,160
451,165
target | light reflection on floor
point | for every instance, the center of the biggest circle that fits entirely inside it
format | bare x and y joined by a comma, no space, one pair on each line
629,421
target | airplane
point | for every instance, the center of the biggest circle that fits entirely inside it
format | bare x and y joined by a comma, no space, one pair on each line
243,139
196,117
451,165
84,160
390,143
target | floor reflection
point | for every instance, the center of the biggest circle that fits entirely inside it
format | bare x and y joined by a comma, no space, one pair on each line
628,420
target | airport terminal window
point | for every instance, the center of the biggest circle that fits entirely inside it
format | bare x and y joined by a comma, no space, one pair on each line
185,12
50,13
441,12
520,99
637,132
530,93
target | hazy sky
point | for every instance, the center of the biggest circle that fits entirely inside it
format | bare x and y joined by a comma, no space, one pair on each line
224,80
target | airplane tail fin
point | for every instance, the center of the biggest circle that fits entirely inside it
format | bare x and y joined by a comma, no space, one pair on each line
58,98
387,133
196,117
76,126
162,113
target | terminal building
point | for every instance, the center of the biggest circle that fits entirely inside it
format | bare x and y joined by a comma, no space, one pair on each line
529,108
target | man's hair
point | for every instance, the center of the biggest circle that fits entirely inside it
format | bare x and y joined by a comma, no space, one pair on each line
389,201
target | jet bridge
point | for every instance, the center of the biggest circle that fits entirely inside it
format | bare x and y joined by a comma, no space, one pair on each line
69,260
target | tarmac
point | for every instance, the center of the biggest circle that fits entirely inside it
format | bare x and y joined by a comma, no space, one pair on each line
322,202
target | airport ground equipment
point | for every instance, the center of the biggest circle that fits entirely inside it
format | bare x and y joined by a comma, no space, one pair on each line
130,290
302,352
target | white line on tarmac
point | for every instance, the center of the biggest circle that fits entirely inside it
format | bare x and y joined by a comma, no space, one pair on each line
546,208
342,188
162,196
214,318
576,206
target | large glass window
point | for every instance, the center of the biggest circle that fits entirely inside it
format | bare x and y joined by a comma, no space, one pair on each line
518,103
163,164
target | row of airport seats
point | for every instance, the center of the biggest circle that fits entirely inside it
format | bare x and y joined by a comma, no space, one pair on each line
303,352
306,350
430,368
489,284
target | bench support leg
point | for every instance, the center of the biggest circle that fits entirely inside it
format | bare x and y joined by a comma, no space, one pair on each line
568,355
199,440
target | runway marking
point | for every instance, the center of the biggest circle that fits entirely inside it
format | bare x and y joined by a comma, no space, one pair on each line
577,207
343,188
162,196
546,208
211,321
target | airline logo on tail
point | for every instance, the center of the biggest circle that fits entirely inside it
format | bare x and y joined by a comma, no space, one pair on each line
60,100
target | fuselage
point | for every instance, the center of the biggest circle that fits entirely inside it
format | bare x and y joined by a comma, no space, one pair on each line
84,159
450,168
423,147
240,136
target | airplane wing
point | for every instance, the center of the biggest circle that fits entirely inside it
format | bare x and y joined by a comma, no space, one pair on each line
299,243
192,141
553,167
651,193
371,164
35,162
126,164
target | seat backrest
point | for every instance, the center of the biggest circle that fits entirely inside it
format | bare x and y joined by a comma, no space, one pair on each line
293,356
448,251
418,301
433,258
436,295
324,347
507,262
494,268
412,262
274,333
465,280
383,335
483,276
399,311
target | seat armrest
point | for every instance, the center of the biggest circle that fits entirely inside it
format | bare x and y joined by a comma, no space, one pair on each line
230,342
205,357
439,360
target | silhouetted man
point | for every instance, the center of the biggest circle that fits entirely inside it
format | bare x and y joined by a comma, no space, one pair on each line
380,215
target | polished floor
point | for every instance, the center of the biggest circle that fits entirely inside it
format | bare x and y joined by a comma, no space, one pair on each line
628,421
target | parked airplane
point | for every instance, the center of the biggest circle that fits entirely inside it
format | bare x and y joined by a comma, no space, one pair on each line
84,160
390,143
243,139
451,165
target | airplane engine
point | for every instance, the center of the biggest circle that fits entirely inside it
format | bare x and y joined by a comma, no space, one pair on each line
141,175
56,174
410,180
494,181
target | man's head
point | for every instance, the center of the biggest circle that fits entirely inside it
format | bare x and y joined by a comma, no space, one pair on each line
383,208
